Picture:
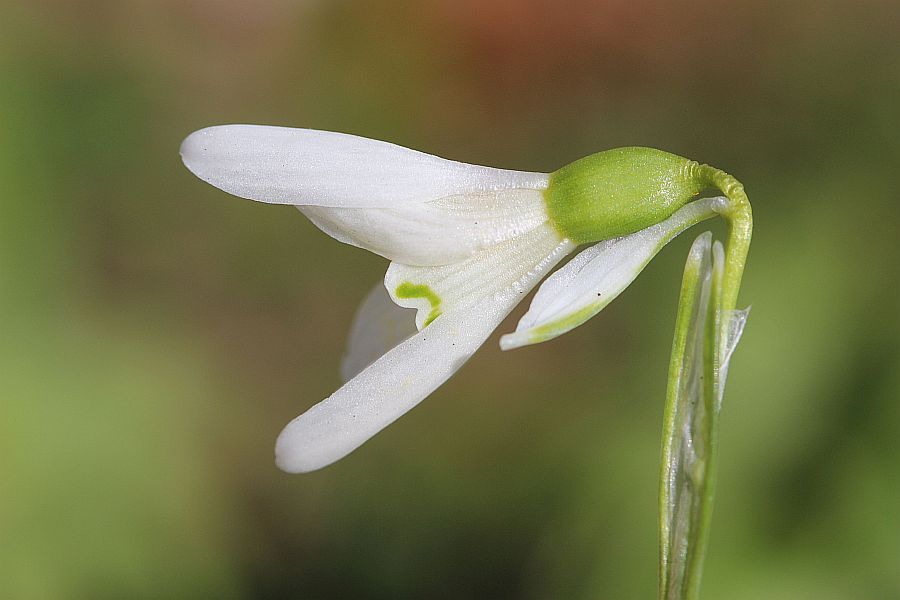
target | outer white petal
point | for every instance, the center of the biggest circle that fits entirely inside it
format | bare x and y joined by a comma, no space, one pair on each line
437,232
378,326
404,376
591,280
283,165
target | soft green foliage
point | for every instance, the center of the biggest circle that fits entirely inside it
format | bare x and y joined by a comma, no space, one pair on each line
690,425
620,191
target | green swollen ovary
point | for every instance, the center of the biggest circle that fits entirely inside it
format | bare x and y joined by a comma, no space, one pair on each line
407,291
618,192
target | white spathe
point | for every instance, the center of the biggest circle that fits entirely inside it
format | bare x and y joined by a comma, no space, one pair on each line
732,324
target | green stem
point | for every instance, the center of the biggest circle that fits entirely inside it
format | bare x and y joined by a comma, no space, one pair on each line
690,430
740,229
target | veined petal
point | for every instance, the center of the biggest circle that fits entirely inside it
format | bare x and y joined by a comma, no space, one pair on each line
408,373
591,280
284,165
437,232
437,290
378,326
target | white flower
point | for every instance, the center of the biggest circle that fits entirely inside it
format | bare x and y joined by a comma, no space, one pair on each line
466,243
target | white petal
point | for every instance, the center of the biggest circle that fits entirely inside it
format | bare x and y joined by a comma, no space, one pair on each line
436,232
283,165
404,376
437,290
592,279
378,326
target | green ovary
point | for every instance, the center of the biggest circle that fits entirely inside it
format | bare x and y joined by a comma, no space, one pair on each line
408,291
618,192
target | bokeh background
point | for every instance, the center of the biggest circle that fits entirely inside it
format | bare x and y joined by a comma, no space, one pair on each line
156,333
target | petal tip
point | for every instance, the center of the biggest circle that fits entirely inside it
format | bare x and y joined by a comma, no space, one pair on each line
292,457
511,341
194,150
236,159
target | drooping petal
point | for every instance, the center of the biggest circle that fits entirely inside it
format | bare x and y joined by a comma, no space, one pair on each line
284,165
591,280
408,373
378,326
437,232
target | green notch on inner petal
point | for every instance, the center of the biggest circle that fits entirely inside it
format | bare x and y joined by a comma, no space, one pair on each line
407,290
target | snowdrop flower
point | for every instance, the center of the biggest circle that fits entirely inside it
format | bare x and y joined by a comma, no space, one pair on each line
466,244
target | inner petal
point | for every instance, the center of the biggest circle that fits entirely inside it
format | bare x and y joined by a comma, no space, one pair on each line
437,290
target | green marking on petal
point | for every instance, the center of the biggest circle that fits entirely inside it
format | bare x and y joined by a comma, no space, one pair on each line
407,291
548,331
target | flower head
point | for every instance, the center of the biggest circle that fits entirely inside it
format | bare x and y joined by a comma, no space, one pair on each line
466,244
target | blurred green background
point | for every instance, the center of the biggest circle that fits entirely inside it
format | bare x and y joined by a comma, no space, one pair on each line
156,333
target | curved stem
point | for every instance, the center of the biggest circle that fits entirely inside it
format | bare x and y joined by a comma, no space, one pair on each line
740,229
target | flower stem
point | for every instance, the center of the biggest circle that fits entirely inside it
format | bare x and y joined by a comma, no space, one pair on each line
707,328
740,229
